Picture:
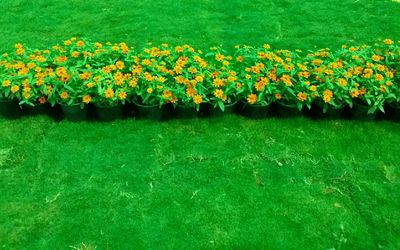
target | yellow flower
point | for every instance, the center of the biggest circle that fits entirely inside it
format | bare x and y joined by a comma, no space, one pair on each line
109,93
327,95
26,95
98,45
378,77
218,82
219,93
251,98
80,43
219,57
197,99
342,82
64,95
14,88
6,83
278,96
120,65
388,41
239,59
149,90
67,42
86,99
354,93
122,95
380,67
75,54
301,96
376,58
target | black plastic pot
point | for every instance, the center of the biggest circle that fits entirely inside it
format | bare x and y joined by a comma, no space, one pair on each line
360,112
74,112
185,112
283,110
216,111
317,112
255,111
38,109
10,109
154,112
109,113
393,111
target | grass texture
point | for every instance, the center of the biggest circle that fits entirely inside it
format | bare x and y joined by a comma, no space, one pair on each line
218,183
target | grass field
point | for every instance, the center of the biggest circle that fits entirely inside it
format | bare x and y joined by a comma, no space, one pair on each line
218,183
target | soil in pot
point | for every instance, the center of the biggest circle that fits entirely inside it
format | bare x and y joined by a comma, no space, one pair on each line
74,112
255,111
283,110
360,112
109,113
10,109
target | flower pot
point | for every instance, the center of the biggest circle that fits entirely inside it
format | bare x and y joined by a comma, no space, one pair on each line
283,110
108,112
359,111
255,111
317,111
216,111
185,112
394,111
38,109
10,109
154,112
74,112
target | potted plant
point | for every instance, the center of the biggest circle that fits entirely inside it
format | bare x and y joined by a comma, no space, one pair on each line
223,84
9,94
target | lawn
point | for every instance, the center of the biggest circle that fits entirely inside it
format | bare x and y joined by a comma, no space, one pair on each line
216,183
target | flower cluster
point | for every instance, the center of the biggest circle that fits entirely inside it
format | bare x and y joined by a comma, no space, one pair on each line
79,71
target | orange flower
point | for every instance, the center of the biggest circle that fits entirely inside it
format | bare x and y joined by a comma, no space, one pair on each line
252,98
86,99
388,41
327,95
122,95
14,88
42,99
197,99
301,96
109,93
64,95
80,43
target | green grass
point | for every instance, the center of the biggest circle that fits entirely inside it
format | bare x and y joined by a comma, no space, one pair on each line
201,23
205,183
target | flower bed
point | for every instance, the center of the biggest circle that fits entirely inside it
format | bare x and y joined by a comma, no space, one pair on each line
79,72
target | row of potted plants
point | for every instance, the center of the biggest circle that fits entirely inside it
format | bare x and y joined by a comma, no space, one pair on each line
166,112
79,72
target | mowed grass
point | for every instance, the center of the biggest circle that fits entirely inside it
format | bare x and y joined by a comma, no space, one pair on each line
218,183
204,183
202,23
